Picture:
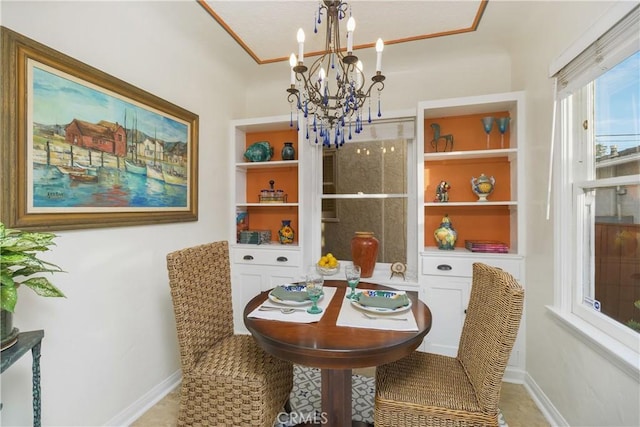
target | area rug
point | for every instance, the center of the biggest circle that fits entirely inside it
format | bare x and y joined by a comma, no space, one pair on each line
306,399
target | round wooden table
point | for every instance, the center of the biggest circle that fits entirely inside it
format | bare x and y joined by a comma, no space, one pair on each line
336,349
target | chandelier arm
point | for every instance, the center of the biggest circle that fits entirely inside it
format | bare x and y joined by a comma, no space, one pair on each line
367,94
313,92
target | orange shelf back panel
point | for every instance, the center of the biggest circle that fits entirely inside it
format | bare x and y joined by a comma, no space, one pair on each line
276,139
270,218
470,222
458,174
285,179
468,132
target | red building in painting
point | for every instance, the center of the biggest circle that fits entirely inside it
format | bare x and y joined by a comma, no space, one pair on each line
105,136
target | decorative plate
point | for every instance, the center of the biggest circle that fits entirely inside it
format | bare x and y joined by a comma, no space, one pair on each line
381,309
292,288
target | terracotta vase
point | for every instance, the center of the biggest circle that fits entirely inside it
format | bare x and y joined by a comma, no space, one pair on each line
364,252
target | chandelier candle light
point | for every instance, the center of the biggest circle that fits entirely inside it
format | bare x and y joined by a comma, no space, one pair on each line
332,89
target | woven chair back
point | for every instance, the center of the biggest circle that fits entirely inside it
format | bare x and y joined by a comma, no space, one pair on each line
200,282
489,331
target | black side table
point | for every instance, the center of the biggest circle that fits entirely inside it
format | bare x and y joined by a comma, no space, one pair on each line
27,341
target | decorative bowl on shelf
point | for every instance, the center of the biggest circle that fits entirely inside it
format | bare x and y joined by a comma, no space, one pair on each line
327,271
260,151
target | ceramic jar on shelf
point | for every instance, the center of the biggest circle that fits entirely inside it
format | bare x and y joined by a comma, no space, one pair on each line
288,152
445,235
482,186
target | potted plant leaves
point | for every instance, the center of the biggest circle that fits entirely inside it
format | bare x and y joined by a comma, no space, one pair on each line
20,265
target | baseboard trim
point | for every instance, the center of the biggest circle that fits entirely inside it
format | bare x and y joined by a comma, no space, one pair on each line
157,393
549,411
146,401
514,375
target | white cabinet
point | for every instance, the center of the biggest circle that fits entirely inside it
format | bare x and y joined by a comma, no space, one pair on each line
257,269
447,298
445,275
446,282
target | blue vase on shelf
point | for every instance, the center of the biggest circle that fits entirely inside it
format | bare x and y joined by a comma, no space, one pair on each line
288,152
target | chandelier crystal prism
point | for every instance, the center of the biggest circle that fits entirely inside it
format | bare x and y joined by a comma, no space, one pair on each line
331,93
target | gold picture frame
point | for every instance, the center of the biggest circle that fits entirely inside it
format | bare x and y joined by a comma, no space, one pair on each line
83,149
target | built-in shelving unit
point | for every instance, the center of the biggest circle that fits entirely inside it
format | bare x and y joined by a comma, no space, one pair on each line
259,267
445,276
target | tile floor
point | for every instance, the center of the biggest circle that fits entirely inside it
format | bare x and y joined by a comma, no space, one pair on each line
516,405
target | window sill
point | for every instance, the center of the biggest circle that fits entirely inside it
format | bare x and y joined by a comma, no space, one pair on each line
382,276
626,359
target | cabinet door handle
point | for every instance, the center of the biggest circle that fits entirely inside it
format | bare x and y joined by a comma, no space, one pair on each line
444,267
465,311
247,257
282,259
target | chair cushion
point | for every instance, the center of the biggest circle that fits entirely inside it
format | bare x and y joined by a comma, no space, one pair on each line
416,388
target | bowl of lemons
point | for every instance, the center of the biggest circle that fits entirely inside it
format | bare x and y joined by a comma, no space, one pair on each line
328,265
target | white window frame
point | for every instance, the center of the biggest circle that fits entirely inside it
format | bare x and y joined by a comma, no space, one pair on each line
574,175
397,125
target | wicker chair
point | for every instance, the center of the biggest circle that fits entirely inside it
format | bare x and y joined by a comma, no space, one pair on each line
227,380
426,389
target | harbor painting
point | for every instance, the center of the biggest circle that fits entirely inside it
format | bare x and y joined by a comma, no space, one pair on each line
98,151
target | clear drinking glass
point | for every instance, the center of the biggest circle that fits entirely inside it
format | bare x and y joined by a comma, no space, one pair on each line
314,282
352,273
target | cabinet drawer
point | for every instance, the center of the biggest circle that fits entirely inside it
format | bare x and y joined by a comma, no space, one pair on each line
266,257
463,267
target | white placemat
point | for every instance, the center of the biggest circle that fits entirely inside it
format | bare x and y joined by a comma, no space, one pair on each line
355,318
300,315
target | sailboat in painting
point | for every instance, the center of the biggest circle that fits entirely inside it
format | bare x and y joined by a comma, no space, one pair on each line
175,178
155,170
134,165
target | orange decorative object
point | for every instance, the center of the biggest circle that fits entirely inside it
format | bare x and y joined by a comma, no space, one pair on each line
364,252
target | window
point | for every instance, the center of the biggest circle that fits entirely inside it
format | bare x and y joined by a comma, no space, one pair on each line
329,180
365,188
598,183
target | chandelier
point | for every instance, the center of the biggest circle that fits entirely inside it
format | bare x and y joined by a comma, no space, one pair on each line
331,93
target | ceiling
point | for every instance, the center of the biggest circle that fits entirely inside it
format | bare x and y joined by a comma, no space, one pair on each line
266,30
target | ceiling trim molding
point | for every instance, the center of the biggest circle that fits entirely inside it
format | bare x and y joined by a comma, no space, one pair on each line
260,61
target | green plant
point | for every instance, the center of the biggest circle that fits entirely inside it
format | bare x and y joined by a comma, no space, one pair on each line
634,324
19,260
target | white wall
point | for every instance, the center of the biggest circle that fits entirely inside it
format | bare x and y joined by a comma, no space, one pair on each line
431,69
113,338
583,386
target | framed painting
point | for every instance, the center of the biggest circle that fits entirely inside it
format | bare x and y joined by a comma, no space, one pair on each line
83,149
